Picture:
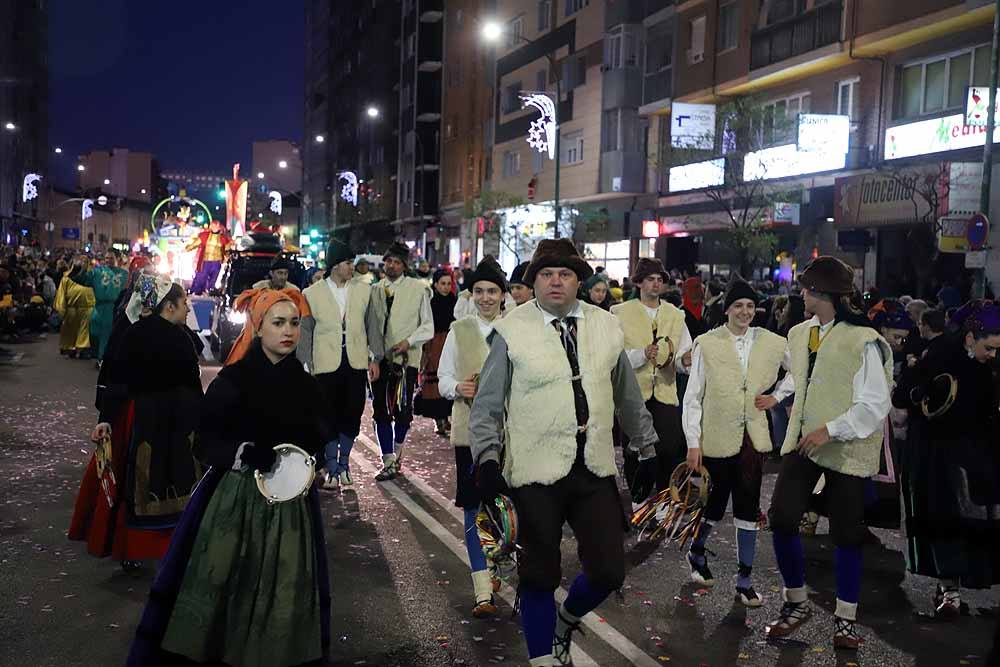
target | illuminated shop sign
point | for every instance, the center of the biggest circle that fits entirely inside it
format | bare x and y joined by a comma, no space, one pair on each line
706,174
933,136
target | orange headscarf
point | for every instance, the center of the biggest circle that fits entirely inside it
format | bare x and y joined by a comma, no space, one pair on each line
256,303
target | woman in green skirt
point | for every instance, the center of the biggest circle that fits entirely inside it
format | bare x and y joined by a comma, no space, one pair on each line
245,581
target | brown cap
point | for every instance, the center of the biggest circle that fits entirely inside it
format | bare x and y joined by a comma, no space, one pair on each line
828,275
557,252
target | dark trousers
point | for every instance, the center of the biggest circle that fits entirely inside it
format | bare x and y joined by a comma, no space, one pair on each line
344,395
593,509
670,448
388,383
738,476
793,490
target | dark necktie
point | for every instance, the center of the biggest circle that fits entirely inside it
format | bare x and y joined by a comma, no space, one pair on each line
567,335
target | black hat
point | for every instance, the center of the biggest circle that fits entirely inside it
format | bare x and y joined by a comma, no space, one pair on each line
338,252
739,289
557,252
490,271
398,250
648,266
280,262
828,275
517,275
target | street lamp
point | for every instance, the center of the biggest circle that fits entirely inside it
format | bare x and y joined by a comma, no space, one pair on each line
260,174
80,167
107,181
282,164
491,32
10,126
142,191
320,138
58,150
372,112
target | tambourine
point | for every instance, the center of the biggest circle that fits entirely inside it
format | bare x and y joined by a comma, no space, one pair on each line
290,477
670,347
943,390
677,511
496,525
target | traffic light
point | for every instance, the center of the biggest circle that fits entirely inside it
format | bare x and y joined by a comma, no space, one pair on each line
222,190
313,233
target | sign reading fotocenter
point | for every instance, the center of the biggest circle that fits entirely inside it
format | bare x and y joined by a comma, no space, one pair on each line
824,132
934,136
692,126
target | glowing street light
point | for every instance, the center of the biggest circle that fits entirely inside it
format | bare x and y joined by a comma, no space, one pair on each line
10,126
107,181
492,31
282,164
142,191
260,174
80,167
320,138
58,150
372,112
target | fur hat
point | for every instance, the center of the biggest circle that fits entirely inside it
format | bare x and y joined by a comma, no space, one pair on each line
557,252
338,252
517,275
490,271
647,266
280,262
828,275
398,250
739,289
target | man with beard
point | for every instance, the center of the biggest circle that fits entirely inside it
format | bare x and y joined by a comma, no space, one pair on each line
278,276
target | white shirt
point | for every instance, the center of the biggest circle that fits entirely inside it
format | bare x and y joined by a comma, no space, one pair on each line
870,400
637,357
425,329
695,392
340,294
447,380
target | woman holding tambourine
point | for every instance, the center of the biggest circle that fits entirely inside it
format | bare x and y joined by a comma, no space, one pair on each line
949,465
245,581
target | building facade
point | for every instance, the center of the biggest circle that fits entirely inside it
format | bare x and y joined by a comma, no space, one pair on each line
24,110
351,108
120,172
281,163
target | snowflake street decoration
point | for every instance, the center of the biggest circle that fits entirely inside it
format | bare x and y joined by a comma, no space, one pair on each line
29,190
349,192
275,202
542,132
87,210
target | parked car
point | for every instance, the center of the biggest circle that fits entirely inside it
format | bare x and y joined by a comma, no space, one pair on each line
249,263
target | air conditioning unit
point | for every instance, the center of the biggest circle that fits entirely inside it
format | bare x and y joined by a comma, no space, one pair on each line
695,57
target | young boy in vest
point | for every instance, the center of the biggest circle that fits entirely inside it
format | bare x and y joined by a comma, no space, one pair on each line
341,345
841,373
726,430
555,374
651,327
403,305
462,359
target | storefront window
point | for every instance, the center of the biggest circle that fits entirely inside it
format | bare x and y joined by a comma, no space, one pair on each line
613,256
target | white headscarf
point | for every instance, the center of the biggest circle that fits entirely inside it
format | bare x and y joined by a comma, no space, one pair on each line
149,292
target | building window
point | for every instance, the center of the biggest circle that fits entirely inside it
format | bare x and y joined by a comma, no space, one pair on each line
411,44
572,148
511,163
729,26
449,128
454,68
512,97
609,132
573,6
541,80
406,95
621,48
777,122
515,31
544,14
379,155
848,100
696,37
939,83
621,131
538,161
785,9
458,18
574,71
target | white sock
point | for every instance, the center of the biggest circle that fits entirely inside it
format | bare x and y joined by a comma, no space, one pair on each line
482,585
542,661
563,620
388,459
846,610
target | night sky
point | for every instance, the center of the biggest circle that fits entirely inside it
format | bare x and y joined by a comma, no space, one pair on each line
192,82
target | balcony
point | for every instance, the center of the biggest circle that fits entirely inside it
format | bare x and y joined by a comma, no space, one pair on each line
797,35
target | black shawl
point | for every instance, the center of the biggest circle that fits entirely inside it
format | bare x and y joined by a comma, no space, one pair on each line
443,308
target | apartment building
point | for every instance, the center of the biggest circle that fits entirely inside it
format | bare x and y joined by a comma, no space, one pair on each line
900,73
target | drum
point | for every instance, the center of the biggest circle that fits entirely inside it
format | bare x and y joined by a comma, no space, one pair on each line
290,477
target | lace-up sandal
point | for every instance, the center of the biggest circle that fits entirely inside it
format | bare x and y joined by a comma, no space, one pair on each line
792,615
845,634
561,642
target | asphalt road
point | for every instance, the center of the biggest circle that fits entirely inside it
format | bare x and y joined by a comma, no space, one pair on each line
402,592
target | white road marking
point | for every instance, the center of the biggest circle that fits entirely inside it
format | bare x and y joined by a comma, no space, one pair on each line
580,658
603,630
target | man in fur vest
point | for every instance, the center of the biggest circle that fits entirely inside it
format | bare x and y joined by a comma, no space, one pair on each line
658,346
841,375
555,374
403,305
727,431
341,345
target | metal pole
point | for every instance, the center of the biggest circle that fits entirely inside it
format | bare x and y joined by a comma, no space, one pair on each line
555,193
979,275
